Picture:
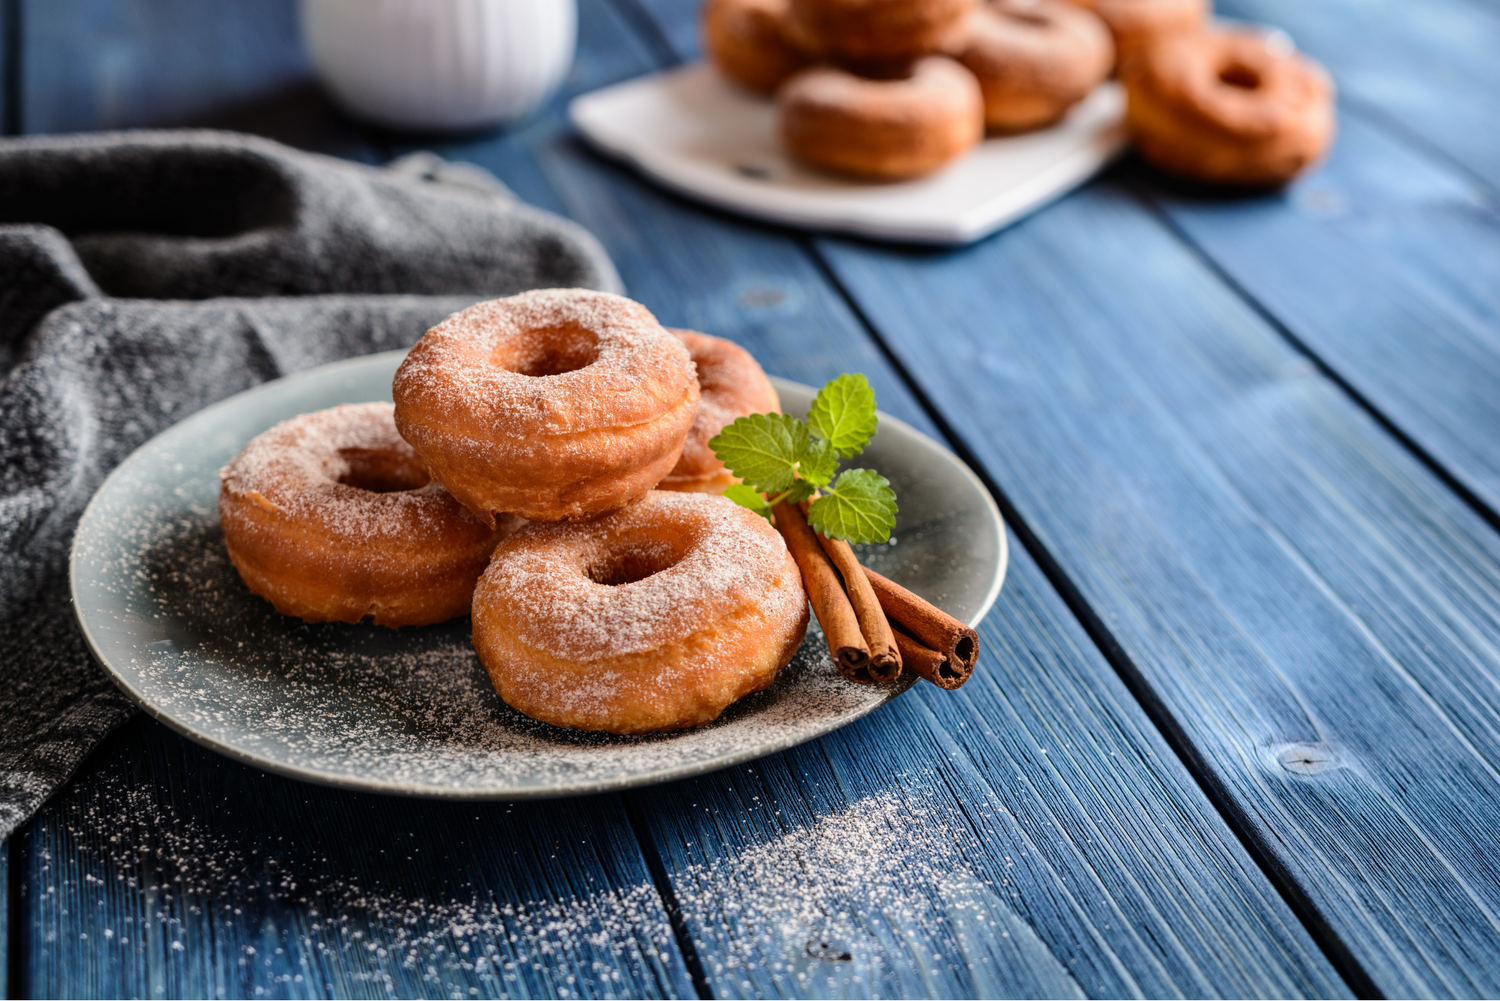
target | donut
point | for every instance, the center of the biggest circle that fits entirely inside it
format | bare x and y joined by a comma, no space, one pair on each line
654,617
880,32
885,129
748,40
731,384
552,404
1228,107
1136,24
1035,59
332,517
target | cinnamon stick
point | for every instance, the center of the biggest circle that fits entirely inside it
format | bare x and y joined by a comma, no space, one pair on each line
927,623
924,661
830,603
885,657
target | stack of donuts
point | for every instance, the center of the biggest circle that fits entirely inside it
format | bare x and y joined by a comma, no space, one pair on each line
544,465
895,89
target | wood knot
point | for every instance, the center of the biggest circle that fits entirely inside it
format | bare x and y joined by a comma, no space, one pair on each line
1306,758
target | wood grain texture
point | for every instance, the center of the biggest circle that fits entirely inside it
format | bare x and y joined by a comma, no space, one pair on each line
1429,67
108,64
1097,909
166,870
1386,265
1030,835
6,953
1317,612
229,64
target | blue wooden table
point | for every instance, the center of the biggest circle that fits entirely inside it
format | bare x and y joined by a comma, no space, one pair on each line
1236,730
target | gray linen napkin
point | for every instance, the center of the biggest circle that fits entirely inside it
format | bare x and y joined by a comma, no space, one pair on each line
146,275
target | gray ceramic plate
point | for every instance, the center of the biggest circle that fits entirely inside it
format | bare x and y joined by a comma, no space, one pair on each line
411,711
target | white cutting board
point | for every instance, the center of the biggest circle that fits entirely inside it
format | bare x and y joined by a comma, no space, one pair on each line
696,132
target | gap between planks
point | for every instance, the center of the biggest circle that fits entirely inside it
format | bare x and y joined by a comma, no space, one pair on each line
1338,954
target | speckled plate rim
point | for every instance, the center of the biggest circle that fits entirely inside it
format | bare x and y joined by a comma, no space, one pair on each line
89,528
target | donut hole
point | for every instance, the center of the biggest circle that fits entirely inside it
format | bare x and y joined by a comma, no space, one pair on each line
382,471
633,560
551,351
1241,76
1030,18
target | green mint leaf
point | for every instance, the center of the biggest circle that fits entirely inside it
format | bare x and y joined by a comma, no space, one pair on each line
801,491
818,464
763,450
861,507
749,497
843,413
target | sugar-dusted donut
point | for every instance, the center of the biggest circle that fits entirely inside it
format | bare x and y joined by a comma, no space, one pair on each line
1035,59
751,41
1137,24
553,404
653,617
731,384
880,32
1229,107
887,129
332,517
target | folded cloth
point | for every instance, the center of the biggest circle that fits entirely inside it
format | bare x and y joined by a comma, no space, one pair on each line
145,275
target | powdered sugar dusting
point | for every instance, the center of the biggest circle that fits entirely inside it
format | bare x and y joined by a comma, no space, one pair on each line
296,468
715,557
402,710
491,366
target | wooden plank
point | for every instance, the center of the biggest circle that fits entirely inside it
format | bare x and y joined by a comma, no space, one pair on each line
1029,836
1429,67
1312,610
1386,265
107,64
5,928
10,52
235,64
1146,855
166,870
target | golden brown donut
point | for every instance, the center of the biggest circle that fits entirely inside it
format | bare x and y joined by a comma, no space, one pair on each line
332,517
654,617
1227,107
886,129
1035,59
748,40
553,404
1136,24
731,384
880,31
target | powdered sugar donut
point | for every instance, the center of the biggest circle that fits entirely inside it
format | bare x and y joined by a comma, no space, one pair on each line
654,617
553,404
731,384
332,517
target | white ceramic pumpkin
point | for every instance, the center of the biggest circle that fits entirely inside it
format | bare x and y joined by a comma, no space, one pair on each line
441,64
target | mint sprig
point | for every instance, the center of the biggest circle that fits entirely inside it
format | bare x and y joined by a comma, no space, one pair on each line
780,458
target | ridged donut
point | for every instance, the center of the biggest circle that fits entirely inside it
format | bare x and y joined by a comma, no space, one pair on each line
553,404
731,384
885,129
880,32
332,517
749,41
1228,107
654,617
1035,59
